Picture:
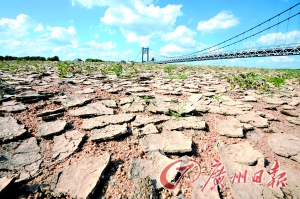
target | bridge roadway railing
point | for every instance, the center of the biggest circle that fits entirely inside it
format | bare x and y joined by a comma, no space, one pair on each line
278,50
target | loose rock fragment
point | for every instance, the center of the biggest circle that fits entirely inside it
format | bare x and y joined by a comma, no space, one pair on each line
185,123
93,109
101,121
141,168
72,101
237,158
80,179
10,129
168,142
18,107
284,144
66,144
254,119
5,184
109,132
51,128
23,156
148,129
230,127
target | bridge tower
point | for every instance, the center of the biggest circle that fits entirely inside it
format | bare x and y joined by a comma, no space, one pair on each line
145,51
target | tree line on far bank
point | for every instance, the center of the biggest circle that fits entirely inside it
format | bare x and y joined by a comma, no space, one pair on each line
28,58
40,58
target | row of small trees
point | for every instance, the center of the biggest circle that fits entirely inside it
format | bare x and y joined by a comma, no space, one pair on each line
28,58
93,60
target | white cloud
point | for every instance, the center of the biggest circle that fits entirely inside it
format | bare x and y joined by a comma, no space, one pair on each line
16,27
62,36
223,20
127,52
111,32
171,48
182,35
39,28
181,42
143,40
138,20
104,46
280,38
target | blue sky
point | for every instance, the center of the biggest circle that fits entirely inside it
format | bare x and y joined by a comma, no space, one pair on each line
117,29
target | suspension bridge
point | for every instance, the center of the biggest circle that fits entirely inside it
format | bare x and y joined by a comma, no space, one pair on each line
277,36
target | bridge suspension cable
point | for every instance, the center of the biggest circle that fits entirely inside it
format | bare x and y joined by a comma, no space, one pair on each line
235,39
137,56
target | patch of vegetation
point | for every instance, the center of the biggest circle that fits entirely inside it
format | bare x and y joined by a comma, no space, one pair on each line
177,76
62,69
176,114
276,81
116,68
249,80
169,68
147,100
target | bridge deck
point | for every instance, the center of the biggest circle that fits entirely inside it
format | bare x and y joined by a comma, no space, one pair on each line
281,50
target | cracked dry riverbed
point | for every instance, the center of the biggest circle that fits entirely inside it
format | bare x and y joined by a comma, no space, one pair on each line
103,136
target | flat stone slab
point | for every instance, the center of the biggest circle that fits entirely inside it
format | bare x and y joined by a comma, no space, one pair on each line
66,144
291,113
225,110
288,107
72,101
230,127
110,103
29,95
207,193
194,86
295,101
10,129
133,108
293,120
125,100
141,168
159,106
168,142
85,91
18,107
5,183
249,99
293,176
284,144
93,109
182,108
80,179
51,128
208,94
144,120
148,129
254,119
238,158
276,101
185,123
50,112
23,156
195,98
108,132
137,89
101,121
201,107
